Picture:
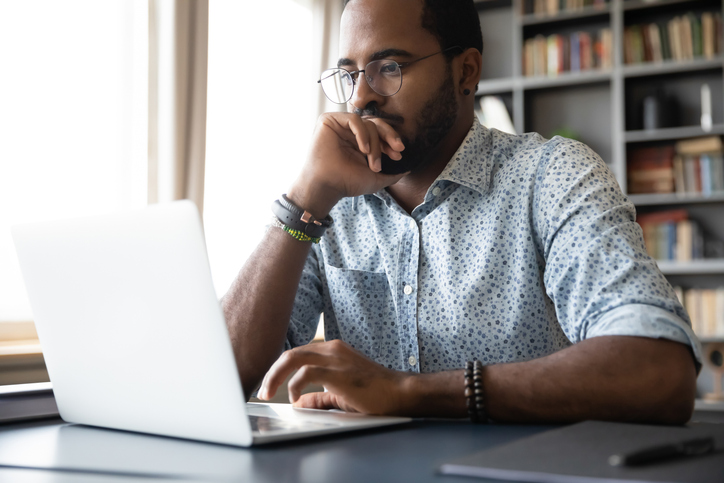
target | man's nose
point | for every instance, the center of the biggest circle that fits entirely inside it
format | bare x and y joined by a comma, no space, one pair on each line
363,94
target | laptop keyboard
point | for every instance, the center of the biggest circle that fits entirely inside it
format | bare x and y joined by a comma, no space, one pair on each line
264,424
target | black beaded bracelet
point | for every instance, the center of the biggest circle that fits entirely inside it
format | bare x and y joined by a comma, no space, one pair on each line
475,393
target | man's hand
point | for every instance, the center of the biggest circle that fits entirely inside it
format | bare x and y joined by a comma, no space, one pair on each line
353,382
345,160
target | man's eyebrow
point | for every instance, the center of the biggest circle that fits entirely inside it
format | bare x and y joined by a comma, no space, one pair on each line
380,54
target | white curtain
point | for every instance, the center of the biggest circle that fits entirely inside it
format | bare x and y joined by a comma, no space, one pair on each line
178,52
326,15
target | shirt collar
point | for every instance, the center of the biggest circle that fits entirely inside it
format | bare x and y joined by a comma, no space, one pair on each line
471,164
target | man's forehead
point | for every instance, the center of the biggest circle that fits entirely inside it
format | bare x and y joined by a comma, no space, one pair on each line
371,26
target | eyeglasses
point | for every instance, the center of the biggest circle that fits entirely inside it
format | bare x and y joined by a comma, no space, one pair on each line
383,76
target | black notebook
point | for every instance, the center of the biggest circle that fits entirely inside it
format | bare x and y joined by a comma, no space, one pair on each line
580,452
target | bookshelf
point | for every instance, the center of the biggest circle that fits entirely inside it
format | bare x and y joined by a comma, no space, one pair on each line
613,93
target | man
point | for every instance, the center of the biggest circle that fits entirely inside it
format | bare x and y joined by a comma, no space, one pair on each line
516,251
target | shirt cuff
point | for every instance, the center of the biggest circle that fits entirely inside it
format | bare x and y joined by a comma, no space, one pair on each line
643,320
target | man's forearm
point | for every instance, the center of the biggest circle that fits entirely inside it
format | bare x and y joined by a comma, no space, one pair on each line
609,378
259,303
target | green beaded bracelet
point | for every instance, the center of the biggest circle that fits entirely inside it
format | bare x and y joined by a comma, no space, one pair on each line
296,234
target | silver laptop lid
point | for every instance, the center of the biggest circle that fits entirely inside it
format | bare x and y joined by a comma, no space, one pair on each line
132,332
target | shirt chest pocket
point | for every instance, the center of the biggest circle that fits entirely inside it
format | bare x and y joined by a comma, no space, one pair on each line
363,310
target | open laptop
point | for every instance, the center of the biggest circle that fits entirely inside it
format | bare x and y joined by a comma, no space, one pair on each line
134,337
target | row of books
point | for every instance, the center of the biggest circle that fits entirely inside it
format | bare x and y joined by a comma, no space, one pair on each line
671,235
580,51
682,38
706,310
553,7
694,166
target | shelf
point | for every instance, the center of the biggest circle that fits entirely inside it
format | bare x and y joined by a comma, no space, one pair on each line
567,79
712,340
481,5
694,267
672,133
648,4
674,199
565,15
645,69
495,86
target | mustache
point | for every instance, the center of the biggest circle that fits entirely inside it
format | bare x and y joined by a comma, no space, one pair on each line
372,110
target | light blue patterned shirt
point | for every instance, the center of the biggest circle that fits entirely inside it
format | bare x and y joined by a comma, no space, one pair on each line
522,247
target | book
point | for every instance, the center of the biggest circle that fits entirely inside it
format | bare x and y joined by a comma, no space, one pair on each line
702,145
665,42
706,180
717,172
707,35
687,49
607,42
586,51
696,41
651,170
690,173
675,39
679,185
557,53
648,55
684,241
655,42
692,304
719,311
553,55
708,312
575,54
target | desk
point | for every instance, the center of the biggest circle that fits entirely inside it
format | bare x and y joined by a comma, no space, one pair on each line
409,452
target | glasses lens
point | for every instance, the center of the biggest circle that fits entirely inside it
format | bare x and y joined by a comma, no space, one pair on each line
384,77
337,85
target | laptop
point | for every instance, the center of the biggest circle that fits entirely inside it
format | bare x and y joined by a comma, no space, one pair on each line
134,337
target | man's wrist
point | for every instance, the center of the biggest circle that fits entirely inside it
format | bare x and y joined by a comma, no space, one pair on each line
440,394
315,201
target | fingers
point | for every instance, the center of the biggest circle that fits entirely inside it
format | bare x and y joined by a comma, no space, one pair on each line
310,374
392,145
373,137
361,133
287,363
318,400
374,159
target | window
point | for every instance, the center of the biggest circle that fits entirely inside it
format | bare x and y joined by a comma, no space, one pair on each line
73,121
259,121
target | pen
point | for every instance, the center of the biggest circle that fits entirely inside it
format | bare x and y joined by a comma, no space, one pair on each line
692,447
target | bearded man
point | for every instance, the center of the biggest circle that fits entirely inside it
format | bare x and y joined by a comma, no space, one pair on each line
461,271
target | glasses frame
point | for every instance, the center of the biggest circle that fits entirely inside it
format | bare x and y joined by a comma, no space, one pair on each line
352,74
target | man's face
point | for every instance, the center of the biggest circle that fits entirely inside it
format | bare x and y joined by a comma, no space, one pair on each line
425,108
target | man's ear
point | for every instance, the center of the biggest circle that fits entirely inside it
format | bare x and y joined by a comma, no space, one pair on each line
470,64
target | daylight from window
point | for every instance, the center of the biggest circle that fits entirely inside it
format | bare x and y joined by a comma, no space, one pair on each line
259,122
72,118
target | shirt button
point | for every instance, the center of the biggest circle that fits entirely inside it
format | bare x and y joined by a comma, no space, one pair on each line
412,360
407,289
435,191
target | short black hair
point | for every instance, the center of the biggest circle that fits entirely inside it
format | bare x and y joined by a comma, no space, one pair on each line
453,23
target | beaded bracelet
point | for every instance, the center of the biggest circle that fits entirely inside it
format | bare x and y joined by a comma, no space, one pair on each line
474,392
296,234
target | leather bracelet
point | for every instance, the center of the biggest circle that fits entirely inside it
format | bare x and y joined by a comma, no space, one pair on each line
475,393
298,219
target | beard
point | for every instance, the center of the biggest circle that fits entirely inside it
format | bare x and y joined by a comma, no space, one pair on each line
434,123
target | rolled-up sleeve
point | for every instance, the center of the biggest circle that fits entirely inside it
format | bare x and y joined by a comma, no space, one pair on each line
597,272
